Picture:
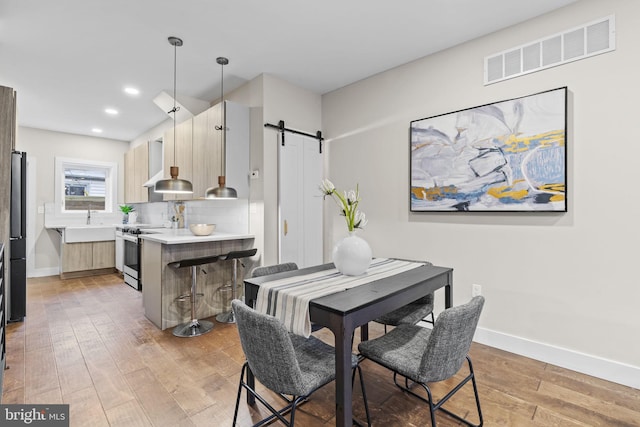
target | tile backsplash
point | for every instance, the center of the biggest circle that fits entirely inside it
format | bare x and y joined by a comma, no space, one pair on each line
230,216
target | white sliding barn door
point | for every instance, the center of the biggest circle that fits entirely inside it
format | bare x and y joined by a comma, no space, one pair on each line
300,200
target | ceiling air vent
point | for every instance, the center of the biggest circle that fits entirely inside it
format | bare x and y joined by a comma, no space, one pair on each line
576,43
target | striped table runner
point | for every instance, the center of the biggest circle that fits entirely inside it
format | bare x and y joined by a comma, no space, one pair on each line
288,299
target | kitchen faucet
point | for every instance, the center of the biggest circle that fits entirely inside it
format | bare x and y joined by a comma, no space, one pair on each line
89,216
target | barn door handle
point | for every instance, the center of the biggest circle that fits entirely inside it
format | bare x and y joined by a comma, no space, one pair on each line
286,227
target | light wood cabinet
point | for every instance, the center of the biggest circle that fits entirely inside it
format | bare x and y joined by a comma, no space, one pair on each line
200,148
141,172
237,151
104,254
179,153
3,317
77,256
207,150
7,143
86,256
136,173
129,172
162,285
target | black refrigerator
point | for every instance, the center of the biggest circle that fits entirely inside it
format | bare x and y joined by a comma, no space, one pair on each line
17,292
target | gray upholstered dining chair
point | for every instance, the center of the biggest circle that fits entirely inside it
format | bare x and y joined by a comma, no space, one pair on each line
285,363
410,314
273,269
422,355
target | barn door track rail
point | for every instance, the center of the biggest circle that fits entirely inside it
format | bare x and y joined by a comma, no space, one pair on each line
280,126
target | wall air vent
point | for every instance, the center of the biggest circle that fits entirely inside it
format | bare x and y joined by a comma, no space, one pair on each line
576,43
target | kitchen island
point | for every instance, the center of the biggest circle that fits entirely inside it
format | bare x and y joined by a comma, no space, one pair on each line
163,286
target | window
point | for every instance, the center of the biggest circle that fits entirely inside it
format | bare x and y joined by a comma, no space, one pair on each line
83,185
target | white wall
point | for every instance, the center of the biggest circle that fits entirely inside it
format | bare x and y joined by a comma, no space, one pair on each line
301,110
272,100
42,148
252,94
559,287
153,134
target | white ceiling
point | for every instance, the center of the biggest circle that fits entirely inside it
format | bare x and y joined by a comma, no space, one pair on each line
71,59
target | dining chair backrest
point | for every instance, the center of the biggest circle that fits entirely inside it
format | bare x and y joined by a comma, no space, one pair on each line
269,350
450,341
272,269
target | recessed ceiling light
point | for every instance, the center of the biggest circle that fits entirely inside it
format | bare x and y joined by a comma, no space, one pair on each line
96,130
111,111
131,90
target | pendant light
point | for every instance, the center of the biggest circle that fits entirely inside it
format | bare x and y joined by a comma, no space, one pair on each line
222,192
174,185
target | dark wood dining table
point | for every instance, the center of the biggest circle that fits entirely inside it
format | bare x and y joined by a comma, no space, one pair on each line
344,311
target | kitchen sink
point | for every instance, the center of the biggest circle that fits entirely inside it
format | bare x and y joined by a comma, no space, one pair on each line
89,233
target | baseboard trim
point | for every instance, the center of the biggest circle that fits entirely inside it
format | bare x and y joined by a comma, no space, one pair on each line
598,367
87,273
42,272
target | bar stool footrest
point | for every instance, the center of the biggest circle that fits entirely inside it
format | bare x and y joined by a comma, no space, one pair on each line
187,297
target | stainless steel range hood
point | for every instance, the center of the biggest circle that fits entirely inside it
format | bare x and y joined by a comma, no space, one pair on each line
155,178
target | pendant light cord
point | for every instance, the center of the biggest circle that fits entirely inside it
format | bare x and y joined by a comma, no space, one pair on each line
222,61
219,60
174,184
175,109
222,191
223,172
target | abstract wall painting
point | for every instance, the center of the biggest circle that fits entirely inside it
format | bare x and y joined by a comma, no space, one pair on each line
509,156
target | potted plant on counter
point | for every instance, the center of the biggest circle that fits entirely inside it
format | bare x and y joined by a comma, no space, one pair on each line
126,209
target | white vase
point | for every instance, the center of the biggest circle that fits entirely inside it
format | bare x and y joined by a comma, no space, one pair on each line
352,255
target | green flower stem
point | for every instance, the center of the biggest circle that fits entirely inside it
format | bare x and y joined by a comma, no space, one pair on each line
348,207
348,204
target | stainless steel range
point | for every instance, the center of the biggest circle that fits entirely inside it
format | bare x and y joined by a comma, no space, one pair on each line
130,252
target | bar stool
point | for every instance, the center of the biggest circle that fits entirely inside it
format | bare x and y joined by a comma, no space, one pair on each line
229,317
195,327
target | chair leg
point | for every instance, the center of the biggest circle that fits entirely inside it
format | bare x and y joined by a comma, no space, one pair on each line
475,391
438,405
364,394
229,317
432,407
293,412
235,413
275,413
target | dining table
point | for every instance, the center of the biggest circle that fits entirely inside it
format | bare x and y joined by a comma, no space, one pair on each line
347,309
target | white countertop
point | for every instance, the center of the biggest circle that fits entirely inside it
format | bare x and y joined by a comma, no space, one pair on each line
169,236
62,226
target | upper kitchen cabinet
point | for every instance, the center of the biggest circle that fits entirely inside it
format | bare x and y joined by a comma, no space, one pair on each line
201,145
209,147
136,173
207,150
198,154
183,157
237,169
7,144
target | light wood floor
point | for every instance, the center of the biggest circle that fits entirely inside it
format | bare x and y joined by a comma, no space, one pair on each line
86,342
